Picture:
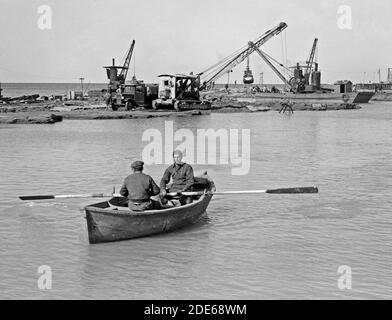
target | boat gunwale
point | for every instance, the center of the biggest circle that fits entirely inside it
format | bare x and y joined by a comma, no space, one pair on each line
128,213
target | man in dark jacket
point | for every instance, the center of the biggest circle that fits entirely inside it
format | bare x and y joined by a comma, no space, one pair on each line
138,188
181,174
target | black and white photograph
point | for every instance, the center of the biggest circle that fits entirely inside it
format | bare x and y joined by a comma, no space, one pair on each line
218,151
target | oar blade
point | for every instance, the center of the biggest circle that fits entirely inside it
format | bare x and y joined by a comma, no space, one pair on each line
40,197
294,190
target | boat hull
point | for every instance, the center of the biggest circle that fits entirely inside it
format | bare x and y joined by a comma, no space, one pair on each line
105,225
352,97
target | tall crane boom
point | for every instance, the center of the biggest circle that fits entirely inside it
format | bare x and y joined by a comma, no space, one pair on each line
124,70
310,60
242,55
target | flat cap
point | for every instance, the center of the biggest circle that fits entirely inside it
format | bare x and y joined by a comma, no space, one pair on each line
137,165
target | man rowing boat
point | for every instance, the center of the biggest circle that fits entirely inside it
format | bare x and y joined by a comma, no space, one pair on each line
138,188
181,174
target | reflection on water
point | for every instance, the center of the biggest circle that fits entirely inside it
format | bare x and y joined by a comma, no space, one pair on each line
246,246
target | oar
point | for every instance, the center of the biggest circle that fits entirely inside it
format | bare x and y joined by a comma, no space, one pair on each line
173,194
281,191
50,196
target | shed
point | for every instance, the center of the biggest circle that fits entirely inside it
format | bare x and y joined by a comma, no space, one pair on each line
343,86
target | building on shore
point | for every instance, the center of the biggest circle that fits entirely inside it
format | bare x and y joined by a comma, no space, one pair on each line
343,86
375,87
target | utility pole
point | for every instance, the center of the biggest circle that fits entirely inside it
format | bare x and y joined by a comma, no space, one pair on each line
228,80
0,91
261,79
81,83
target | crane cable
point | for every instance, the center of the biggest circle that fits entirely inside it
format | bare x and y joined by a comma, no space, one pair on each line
217,65
284,68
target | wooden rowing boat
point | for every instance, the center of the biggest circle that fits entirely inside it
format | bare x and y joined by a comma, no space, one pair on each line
106,222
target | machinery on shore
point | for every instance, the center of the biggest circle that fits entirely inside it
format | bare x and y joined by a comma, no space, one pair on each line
303,79
121,93
213,73
183,91
180,92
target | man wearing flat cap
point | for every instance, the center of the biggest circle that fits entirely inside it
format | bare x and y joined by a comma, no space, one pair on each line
138,188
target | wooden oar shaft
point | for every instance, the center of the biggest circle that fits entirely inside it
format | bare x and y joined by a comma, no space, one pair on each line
240,192
173,194
60,196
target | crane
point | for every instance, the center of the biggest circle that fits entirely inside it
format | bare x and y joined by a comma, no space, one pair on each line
216,71
124,70
297,80
132,94
117,79
296,84
310,61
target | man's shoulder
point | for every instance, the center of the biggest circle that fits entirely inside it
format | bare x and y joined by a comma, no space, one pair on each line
147,176
139,175
171,167
144,176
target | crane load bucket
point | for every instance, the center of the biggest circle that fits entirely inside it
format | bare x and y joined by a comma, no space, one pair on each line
248,79
248,76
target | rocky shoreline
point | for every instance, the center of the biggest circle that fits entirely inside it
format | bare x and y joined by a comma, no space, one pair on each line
49,112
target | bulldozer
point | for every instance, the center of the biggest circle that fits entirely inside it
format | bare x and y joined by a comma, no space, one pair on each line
179,91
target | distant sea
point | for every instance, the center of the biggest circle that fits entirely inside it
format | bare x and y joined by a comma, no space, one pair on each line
46,89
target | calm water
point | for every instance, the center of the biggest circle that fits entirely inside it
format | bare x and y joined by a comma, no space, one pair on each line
245,247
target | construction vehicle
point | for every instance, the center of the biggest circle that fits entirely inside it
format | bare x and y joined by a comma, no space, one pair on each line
183,91
131,94
180,92
303,79
213,73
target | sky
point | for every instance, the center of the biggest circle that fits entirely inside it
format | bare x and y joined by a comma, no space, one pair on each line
182,36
